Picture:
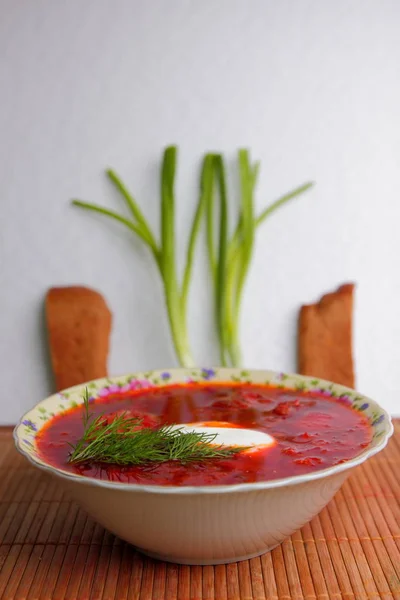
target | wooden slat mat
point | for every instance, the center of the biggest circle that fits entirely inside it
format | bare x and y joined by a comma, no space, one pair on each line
50,549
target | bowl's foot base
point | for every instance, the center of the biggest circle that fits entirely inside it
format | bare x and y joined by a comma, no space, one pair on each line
204,561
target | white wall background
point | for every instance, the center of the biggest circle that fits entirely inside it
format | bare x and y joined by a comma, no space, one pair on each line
311,86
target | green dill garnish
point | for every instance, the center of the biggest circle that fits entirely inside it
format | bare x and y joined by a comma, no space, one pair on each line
124,442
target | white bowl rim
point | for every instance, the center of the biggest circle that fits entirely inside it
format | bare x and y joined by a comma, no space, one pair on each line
213,489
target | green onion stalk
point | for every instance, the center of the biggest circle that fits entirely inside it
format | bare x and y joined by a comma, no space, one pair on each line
229,258
176,295
230,266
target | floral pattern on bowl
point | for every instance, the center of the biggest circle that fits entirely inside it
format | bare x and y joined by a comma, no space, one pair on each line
27,429
209,524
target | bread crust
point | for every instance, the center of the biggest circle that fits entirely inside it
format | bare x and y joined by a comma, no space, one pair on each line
79,326
325,337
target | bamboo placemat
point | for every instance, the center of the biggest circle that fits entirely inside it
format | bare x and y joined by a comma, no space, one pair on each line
52,550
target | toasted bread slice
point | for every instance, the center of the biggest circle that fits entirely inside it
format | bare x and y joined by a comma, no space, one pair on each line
79,326
325,337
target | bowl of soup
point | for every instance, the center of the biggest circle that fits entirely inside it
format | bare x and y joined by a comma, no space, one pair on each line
306,435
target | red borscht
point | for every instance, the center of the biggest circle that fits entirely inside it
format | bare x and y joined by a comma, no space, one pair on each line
312,432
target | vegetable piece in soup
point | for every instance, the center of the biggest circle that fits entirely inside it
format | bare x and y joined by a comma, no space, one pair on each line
311,432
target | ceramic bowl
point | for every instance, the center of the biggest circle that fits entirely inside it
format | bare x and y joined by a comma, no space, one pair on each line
206,524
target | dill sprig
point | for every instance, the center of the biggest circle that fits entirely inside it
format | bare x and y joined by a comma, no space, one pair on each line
124,442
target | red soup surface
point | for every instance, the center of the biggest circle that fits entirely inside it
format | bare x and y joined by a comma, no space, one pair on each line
312,432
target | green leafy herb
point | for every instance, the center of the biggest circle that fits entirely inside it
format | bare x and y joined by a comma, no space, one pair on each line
124,442
229,259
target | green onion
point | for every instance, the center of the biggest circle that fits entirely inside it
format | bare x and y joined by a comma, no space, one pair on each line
220,288
135,210
230,269
168,261
164,254
206,198
229,256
